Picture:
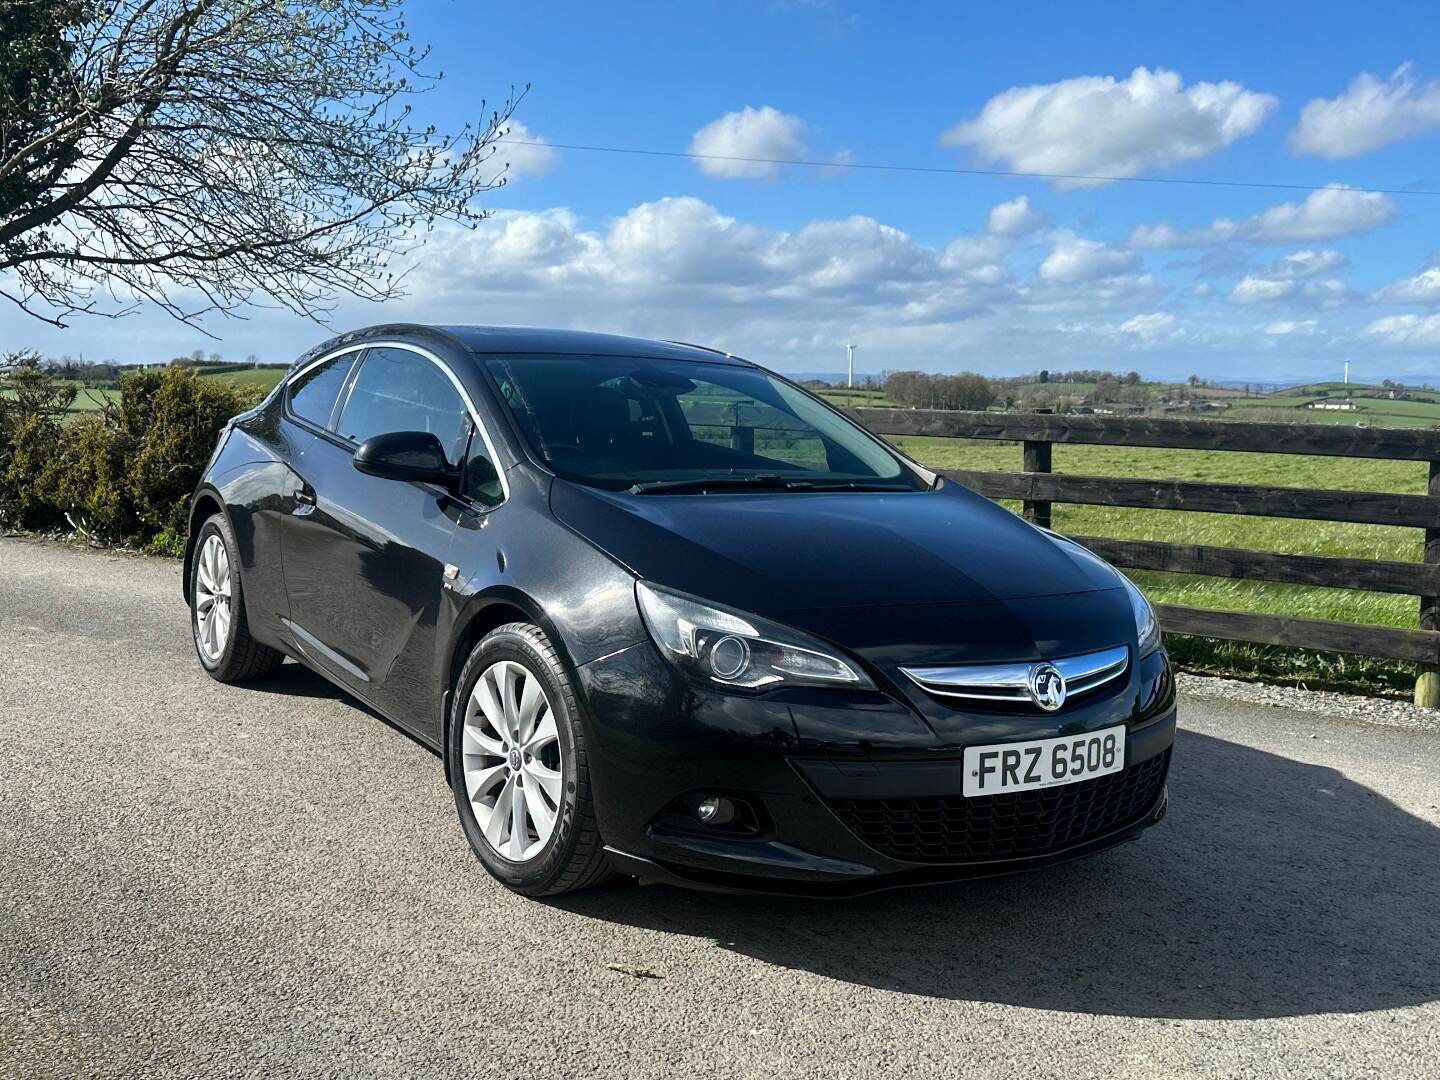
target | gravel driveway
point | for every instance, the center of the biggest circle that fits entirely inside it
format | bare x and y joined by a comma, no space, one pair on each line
198,879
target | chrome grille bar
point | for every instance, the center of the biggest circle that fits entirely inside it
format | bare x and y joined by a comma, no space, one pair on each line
1011,682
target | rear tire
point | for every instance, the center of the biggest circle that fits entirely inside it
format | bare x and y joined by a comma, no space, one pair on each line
518,758
217,610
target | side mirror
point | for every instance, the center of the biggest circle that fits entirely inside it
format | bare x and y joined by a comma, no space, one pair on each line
405,455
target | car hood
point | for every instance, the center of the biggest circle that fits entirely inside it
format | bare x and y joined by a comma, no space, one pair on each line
769,551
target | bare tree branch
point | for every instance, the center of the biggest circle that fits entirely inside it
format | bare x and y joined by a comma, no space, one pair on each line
207,155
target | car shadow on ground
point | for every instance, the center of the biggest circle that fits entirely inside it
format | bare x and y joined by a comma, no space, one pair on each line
1274,888
296,680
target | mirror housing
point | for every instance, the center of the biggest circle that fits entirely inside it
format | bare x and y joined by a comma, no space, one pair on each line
416,456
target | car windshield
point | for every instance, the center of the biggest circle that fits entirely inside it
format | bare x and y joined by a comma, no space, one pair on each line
672,425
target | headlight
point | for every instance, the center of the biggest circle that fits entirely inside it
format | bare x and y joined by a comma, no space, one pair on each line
739,650
1147,626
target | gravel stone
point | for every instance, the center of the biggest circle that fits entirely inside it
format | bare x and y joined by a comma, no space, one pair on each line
1371,710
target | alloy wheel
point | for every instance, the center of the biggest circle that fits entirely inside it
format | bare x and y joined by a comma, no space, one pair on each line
212,598
514,773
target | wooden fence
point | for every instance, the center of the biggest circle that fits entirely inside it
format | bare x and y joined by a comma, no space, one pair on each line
1038,488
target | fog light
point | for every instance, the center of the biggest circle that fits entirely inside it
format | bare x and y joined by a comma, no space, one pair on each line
713,810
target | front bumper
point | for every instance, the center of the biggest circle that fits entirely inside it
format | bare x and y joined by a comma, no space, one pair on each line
840,815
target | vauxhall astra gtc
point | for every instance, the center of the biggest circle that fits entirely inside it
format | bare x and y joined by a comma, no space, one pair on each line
663,612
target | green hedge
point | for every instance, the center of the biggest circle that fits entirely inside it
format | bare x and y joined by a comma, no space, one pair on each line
122,474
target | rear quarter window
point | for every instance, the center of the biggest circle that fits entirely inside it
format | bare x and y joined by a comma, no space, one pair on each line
312,395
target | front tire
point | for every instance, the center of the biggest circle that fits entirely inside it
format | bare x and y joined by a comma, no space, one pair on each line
518,756
217,610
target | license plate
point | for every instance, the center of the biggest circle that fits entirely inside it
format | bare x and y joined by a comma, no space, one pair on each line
1023,766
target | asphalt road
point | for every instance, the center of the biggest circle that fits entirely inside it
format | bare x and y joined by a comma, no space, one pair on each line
206,880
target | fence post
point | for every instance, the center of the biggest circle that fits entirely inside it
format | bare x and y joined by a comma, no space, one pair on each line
742,436
1037,460
1427,686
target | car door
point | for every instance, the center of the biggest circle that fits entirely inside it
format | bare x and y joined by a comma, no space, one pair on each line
364,556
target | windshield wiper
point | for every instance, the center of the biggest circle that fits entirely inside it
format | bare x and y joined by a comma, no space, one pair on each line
854,485
773,481
759,482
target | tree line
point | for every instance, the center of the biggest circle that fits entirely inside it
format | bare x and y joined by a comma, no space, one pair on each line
924,390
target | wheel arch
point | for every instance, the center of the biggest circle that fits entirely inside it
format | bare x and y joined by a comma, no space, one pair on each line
206,503
485,612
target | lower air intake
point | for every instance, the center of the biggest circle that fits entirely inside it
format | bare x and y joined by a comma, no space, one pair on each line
957,829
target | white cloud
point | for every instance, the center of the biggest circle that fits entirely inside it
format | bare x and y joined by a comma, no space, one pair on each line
1306,264
1100,125
855,251
524,152
685,241
1075,259
1015,218
1165,235
1255,289
1290,326
1262,289
1293,277
1155,324
1324,215
1407,331
1423,288
765,133
1370,114
682,245
970,252
679,268
1327,214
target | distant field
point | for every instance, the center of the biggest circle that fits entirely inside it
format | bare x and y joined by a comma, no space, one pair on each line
88,399
1376,412
264,378
1270,534
873,399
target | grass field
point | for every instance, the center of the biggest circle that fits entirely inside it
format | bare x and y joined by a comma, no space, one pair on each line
855,399
89,398
262,378
1373,406
1268,534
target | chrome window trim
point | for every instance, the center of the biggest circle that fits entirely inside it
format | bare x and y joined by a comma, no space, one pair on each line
1010,682
439,363
290,377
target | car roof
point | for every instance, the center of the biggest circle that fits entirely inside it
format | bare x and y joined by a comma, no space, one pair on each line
533,339
530,339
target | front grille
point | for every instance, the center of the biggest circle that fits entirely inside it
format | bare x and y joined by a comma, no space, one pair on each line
956,829
1008,685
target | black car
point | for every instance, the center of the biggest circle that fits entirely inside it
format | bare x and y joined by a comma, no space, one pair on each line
663,612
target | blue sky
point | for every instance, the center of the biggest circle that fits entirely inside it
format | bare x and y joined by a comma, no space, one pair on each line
785,264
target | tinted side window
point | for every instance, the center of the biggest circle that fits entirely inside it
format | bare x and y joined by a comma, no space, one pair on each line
397,390
312,395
